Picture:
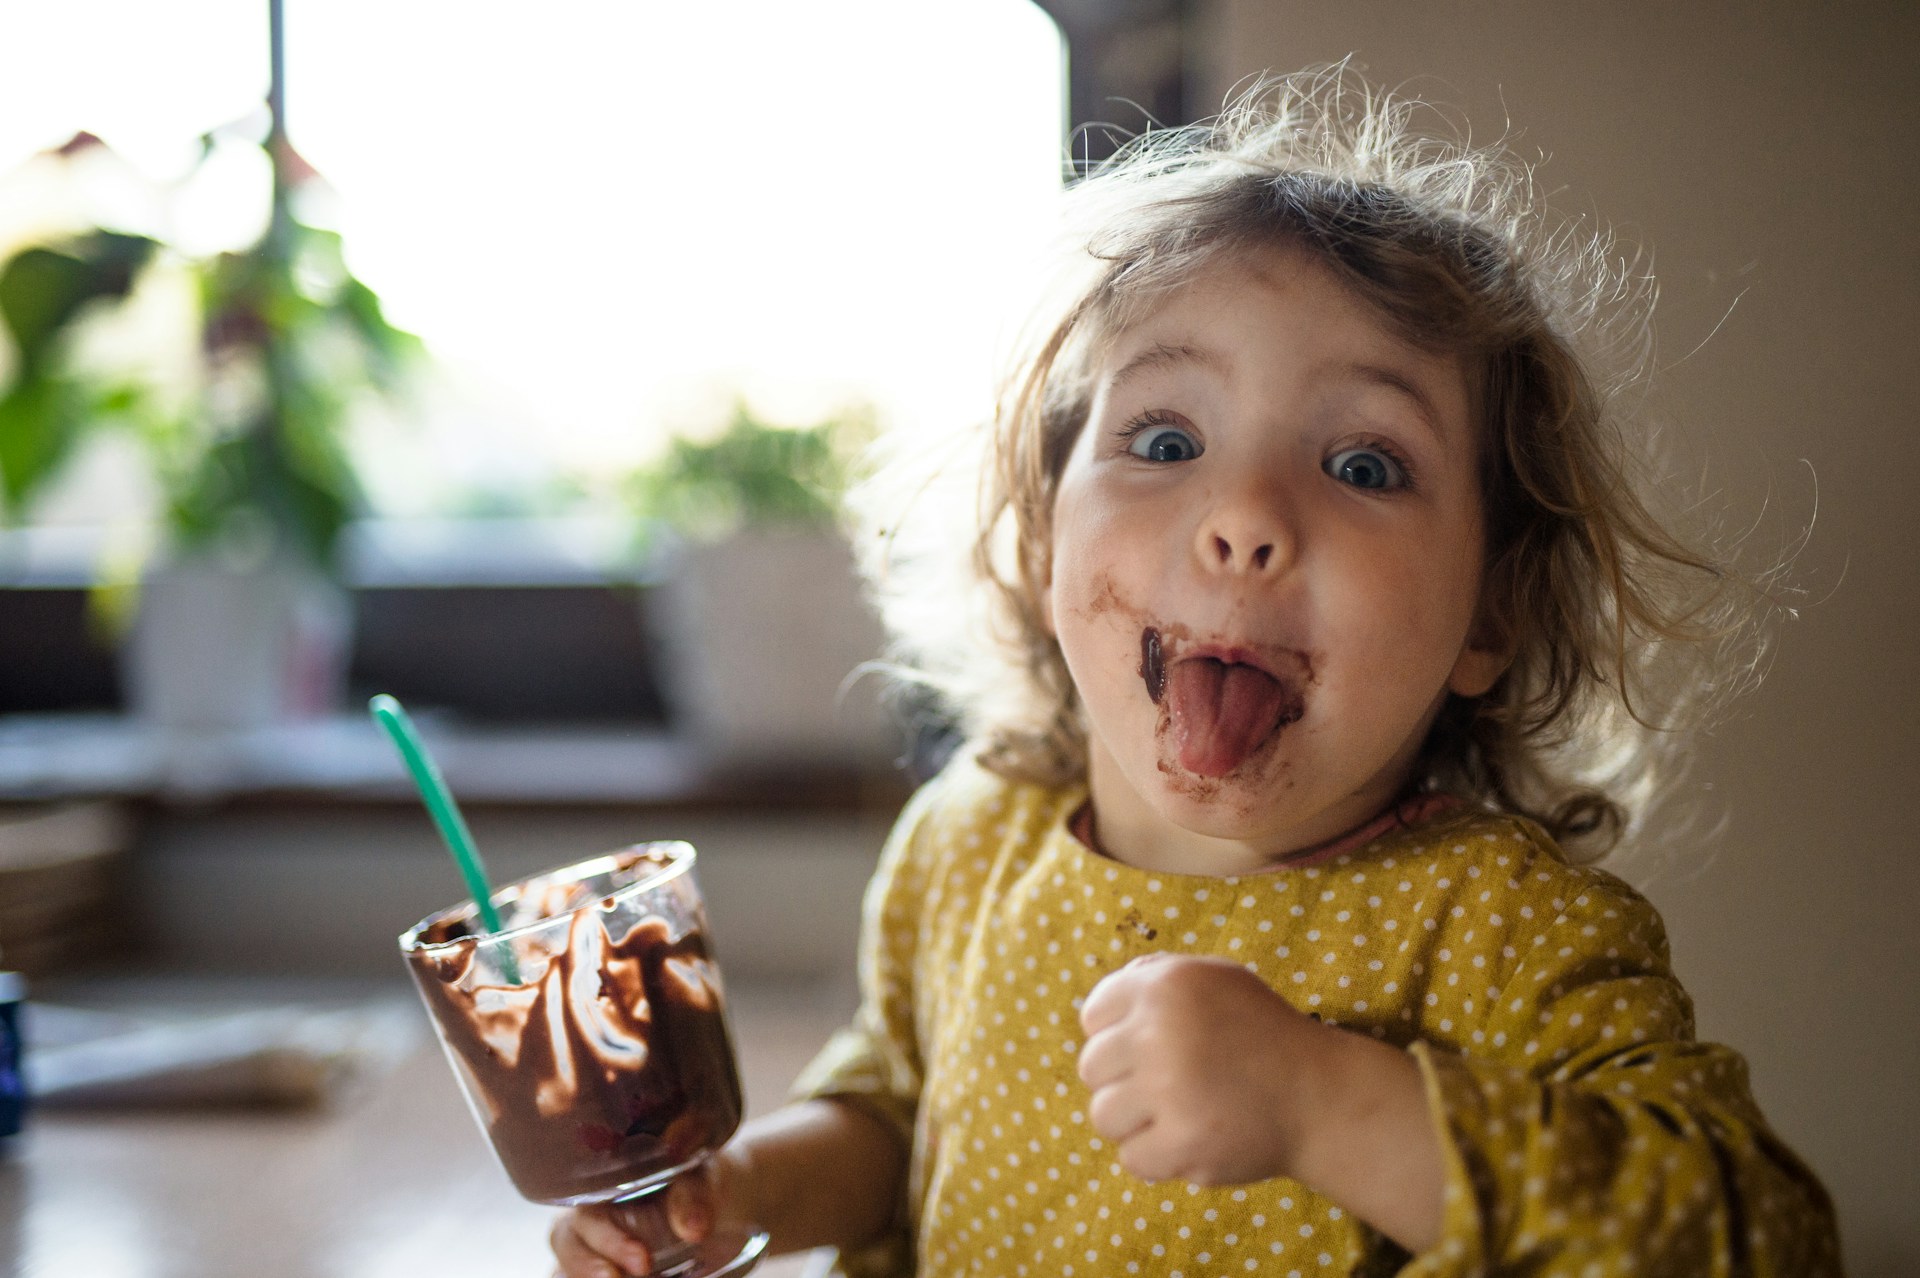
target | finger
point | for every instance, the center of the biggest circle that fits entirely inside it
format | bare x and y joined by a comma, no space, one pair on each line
588,1246
690,1207
1146,1155
1110,997
1118,1114
602,1229
1106,1057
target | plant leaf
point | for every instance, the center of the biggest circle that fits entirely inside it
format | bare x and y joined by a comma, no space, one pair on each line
43,289
38,427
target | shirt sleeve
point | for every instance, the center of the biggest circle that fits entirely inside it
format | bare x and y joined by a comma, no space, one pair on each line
1589,1133
874,1063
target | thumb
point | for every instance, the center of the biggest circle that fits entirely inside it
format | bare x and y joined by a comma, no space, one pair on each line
690,1204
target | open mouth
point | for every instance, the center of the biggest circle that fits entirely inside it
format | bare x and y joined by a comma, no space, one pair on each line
1221,711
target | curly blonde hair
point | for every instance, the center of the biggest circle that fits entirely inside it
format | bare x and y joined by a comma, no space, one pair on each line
1608,613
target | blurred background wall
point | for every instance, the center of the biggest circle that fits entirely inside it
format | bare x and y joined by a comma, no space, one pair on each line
1764,155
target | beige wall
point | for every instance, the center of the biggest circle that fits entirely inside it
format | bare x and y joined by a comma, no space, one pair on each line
1767,153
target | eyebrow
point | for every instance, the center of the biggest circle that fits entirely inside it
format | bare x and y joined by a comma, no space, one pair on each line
1393,379
1162,355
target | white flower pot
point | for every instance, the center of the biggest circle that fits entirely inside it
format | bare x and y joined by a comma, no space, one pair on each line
216,647
762,635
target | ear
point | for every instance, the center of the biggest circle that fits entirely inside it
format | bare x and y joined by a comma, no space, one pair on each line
1485,656
1477,670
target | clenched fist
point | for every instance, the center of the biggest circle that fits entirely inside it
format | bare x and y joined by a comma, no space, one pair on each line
1199,1071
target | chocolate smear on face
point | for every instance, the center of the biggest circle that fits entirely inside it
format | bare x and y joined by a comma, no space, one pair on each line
1153,666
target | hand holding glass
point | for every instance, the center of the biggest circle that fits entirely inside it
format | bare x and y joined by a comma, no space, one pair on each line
604,1068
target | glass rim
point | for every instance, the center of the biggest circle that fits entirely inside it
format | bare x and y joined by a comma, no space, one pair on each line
681,857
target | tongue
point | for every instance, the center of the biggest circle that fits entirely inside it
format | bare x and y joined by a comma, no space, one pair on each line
1221,713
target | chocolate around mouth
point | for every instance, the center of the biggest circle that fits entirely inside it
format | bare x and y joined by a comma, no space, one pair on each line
1153,666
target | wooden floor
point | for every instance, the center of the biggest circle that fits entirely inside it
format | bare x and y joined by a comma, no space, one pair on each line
393,1180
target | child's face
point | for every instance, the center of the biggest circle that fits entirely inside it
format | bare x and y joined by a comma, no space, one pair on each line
1266,565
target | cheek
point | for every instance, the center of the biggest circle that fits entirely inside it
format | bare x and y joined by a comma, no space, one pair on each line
1083,604
1073,565
1073,601
1415,611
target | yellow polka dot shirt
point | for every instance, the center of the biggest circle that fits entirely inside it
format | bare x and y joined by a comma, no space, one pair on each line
1585,1131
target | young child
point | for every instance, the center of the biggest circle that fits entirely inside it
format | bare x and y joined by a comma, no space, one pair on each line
1319,629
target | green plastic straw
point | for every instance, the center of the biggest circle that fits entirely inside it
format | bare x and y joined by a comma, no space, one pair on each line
440,805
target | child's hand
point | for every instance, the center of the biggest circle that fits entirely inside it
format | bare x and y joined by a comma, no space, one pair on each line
1199,1071
605,1240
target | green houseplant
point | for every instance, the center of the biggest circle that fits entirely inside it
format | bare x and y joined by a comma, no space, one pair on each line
758,616
752,472
47,407
287,340
240,619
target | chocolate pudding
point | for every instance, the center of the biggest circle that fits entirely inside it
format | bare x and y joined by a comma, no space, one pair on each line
607,1062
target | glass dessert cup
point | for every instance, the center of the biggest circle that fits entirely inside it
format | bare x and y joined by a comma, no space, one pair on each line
589,1035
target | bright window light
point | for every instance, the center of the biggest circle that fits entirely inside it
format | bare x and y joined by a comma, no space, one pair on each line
610,217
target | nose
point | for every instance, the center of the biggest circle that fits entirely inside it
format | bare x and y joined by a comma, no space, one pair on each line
1248,529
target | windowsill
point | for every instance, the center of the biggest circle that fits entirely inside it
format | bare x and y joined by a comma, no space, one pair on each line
345,758
376,553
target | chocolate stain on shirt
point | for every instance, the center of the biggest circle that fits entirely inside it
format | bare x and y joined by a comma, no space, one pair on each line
1133,922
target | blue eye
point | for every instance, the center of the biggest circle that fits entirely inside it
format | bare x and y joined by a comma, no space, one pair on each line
1164,444
1366,468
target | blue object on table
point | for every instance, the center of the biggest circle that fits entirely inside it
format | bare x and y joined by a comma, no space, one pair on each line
13,1086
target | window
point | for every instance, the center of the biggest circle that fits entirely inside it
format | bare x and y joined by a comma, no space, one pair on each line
606,217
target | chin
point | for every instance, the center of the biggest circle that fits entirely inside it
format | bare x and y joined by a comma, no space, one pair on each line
1236,806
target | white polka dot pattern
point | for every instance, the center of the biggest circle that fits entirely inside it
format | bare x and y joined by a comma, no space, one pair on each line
1580,1118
